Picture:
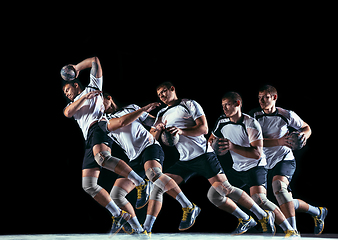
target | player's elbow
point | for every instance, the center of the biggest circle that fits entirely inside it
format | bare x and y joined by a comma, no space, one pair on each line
205,130
67,113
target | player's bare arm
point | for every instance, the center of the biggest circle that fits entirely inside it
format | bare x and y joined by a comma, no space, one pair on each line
199,129
254,151
93,62
306,130
70,110
157,129
116,123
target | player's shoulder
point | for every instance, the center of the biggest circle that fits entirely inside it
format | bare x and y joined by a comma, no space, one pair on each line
250,121
222,119
256,112
284,112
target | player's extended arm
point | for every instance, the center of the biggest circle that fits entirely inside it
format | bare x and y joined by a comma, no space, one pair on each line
306,130
93,63
71,109
116,123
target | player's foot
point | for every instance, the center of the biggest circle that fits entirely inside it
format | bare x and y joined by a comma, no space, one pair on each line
291,234
319,220
189,217
244,225
142,234
118,222
268,223
143,192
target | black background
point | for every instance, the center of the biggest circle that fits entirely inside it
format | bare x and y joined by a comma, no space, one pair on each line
203,61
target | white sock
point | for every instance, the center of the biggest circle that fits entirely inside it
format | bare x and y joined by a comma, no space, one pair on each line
292,221
135,224
260,213
240,214
285,225
113,209
148,224
135,178
313,211
183,200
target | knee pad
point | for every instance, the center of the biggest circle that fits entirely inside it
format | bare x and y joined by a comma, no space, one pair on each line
263,202
216,198
106,160
165,183
156,194
89,184
154,173
280,190
118,195
226,189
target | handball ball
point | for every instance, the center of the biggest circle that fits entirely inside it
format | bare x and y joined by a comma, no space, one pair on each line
168,139
68,73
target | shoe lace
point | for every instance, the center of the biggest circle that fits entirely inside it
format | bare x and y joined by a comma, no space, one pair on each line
264,224
139,190
186,211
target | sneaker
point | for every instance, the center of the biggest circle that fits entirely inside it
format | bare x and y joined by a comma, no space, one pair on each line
143,192
189,217
244,225
141,234
319,220
292,234
268,223
118,222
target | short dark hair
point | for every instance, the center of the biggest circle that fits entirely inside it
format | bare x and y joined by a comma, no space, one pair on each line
165,84
234,96
72,83
269,89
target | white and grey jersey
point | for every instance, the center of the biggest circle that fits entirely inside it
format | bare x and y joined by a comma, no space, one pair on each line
275,126
242,133
133,138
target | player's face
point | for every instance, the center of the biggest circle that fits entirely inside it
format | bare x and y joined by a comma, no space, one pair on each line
70,92
230,107
266,100
166,95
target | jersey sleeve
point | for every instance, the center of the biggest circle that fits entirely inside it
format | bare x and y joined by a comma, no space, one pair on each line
295,121
217,130
254,131
96,82
195,109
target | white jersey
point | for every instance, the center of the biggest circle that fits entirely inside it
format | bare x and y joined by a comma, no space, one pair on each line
241,133
93,109
276,125
183,115
133,138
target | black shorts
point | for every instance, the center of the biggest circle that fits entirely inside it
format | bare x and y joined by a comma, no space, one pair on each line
95,136
256,176
153,152
284,168
206,165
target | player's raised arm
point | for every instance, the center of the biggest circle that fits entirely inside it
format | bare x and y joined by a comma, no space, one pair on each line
93,63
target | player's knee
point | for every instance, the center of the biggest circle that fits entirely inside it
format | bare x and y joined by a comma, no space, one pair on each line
280,190
154,173
263,202
216,198
165,183
90,186
118,195
156,194
226,189
106,160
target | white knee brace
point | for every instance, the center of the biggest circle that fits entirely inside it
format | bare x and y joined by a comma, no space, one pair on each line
154,173
118,195
280,190
89,184
106,160
216,198
226,189
263,202
156,194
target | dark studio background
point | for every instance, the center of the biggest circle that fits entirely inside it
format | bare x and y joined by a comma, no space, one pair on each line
203,64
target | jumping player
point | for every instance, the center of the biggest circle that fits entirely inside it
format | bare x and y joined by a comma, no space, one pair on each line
87,108
275,123
242,136
187,119
146,158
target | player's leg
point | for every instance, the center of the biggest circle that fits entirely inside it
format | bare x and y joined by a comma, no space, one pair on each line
121,188
318,213
90,186
284,199
103,157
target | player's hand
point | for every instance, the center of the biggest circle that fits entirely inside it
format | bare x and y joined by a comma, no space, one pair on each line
151,106
76,70
174,130
286,140
92,94
160,126
223,145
